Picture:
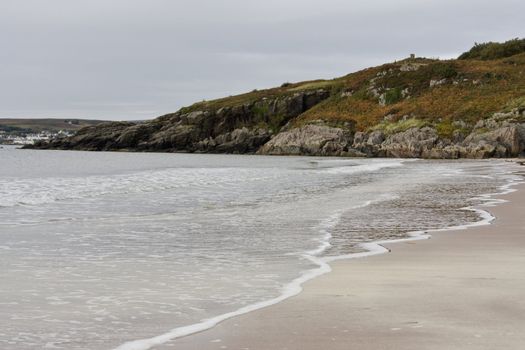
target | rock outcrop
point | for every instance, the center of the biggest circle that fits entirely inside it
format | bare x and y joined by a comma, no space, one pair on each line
413,108
503,135
92,138
242,128
314,140
238,141
222,131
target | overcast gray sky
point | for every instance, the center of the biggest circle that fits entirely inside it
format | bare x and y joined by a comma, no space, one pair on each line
137,59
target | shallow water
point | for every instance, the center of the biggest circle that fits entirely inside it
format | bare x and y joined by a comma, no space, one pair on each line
98,249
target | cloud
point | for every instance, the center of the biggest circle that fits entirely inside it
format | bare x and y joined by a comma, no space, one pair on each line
135,59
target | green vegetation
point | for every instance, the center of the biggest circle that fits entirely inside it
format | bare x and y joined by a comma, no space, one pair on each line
286,89
393,95
312,85
443,70
518,103
400,126
276,122
445,129
472,89
493,51
468,89
261,110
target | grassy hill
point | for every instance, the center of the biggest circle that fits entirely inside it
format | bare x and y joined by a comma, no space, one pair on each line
433,91
445,104
493,51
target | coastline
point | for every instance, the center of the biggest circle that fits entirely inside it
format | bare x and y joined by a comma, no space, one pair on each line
253,327
462,289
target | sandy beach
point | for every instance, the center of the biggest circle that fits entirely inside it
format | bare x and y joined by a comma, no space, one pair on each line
458,290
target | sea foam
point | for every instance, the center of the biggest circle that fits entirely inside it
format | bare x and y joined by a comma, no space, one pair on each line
323,263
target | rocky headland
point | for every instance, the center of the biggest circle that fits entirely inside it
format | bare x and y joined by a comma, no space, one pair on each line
472,107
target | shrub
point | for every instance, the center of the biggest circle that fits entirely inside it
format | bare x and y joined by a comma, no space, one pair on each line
260,111
443,70
493,51
445,129
399,126
517,103
393,95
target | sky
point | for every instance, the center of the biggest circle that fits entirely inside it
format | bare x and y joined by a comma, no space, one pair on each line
138,59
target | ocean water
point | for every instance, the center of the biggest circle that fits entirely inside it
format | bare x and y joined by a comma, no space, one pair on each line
100,249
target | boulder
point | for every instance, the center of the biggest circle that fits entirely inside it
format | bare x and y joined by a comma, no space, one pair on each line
369,144
412,143
310,139
238,141
505,141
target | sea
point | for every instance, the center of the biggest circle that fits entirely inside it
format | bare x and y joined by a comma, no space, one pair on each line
127,251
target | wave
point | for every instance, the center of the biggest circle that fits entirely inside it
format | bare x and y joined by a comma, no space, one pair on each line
291,289
27,192
33,192
357,168
323,265
377,247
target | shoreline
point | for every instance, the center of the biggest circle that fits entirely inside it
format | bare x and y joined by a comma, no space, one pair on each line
183,335
447,295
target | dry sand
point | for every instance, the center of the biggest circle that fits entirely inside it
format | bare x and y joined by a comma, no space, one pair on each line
459,290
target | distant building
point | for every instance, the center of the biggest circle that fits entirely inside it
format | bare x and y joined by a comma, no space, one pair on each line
30,138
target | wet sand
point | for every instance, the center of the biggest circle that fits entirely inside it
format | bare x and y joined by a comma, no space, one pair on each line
460,289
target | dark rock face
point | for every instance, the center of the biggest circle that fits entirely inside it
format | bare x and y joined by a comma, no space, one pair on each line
93,138
239,129
238,141
266,127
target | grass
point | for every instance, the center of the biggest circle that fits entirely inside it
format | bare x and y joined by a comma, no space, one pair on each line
445,129
400,126
471,89
393,96
479,89
286,89
312,85
517,103
493,51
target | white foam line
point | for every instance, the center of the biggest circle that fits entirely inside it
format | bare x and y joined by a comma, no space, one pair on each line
291,289
295,287
366,167
377,247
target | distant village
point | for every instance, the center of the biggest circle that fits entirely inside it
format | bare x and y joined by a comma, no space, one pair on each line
20,138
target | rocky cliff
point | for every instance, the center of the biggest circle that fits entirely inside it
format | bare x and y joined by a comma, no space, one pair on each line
418,107
501,136
241,128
